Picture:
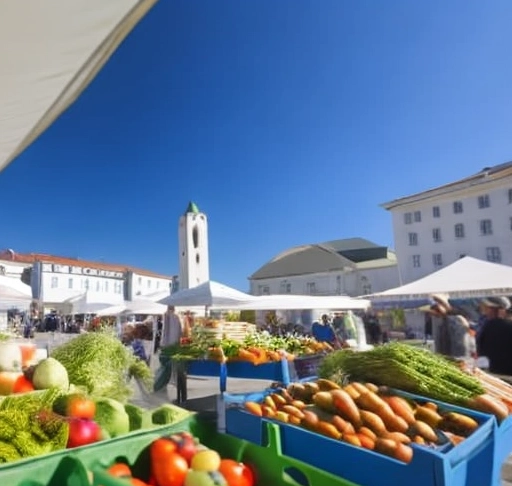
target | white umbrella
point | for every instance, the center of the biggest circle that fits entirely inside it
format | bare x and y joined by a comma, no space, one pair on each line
208,294
49,52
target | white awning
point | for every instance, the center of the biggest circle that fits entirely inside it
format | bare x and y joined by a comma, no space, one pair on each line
49,52
466,278
304,302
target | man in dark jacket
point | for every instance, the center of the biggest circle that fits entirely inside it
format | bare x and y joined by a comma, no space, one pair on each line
495,338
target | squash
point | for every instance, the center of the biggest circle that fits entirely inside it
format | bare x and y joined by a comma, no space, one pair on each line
10,357
7,381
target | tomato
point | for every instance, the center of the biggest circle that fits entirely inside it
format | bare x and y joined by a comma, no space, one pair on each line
236,473
81,407
137,482
120,470
22,385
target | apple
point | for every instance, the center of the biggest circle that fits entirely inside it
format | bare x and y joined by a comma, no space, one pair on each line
207,460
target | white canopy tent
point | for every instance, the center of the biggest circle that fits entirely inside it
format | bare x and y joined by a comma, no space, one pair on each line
49,52
14,293
466,278
304,302
208,294
85,304
140,306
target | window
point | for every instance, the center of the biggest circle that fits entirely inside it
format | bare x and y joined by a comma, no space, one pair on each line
263,290
457,207
311,287
436,235
86,284
437,259
286,288
459,230
417,216
484,201
436,212
493,254
148,283
105,286
70,283
55,282
510,196
408,218
118,288
139,280
158,284
195,237
416,261
413,239
486,227
98,286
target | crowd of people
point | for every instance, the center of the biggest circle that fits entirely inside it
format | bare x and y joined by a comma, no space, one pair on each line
456,335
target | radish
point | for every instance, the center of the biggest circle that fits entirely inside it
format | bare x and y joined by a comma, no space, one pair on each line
83,432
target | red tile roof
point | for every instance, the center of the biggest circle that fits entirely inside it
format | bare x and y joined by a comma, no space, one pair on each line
10,255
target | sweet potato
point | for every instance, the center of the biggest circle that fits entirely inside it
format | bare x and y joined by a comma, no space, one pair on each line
254,408
403,453
352,439
346,407
423,429
368,432
487,404
397,437
327,429
342,425
310,420
401,408
373,422
386,446
427,415
352,391
373,403
291,410
458,423
372,387
366,441
327,385
360,387
324,400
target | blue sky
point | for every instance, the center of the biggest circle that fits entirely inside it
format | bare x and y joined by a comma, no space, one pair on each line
288,122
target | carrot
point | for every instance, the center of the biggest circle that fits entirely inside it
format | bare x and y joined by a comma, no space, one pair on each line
373,403
346,407
401,408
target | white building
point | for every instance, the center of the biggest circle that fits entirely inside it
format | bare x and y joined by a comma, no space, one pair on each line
352,266
193,248
55,280
472,216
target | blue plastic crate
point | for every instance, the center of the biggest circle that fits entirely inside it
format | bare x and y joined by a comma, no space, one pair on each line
462,465
502,448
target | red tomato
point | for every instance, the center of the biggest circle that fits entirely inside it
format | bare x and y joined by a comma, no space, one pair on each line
236,473
81,407
22,385
120,470
167,466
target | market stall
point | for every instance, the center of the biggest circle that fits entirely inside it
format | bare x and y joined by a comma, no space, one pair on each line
466,278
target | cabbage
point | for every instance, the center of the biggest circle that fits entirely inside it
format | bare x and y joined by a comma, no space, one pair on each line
100,364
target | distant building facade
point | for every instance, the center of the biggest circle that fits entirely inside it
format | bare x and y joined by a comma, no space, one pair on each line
54,279
471,216
352,266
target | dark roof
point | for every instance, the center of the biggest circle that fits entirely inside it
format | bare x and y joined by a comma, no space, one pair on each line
487,174
323,257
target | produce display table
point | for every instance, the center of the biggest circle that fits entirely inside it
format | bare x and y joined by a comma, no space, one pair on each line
284,371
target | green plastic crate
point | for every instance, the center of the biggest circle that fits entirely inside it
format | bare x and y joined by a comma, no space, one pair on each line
42,470
272,468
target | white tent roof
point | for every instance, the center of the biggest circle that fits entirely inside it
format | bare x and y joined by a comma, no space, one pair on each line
86,303
210,294
14,293
49,52
139,306
303,302
464,279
